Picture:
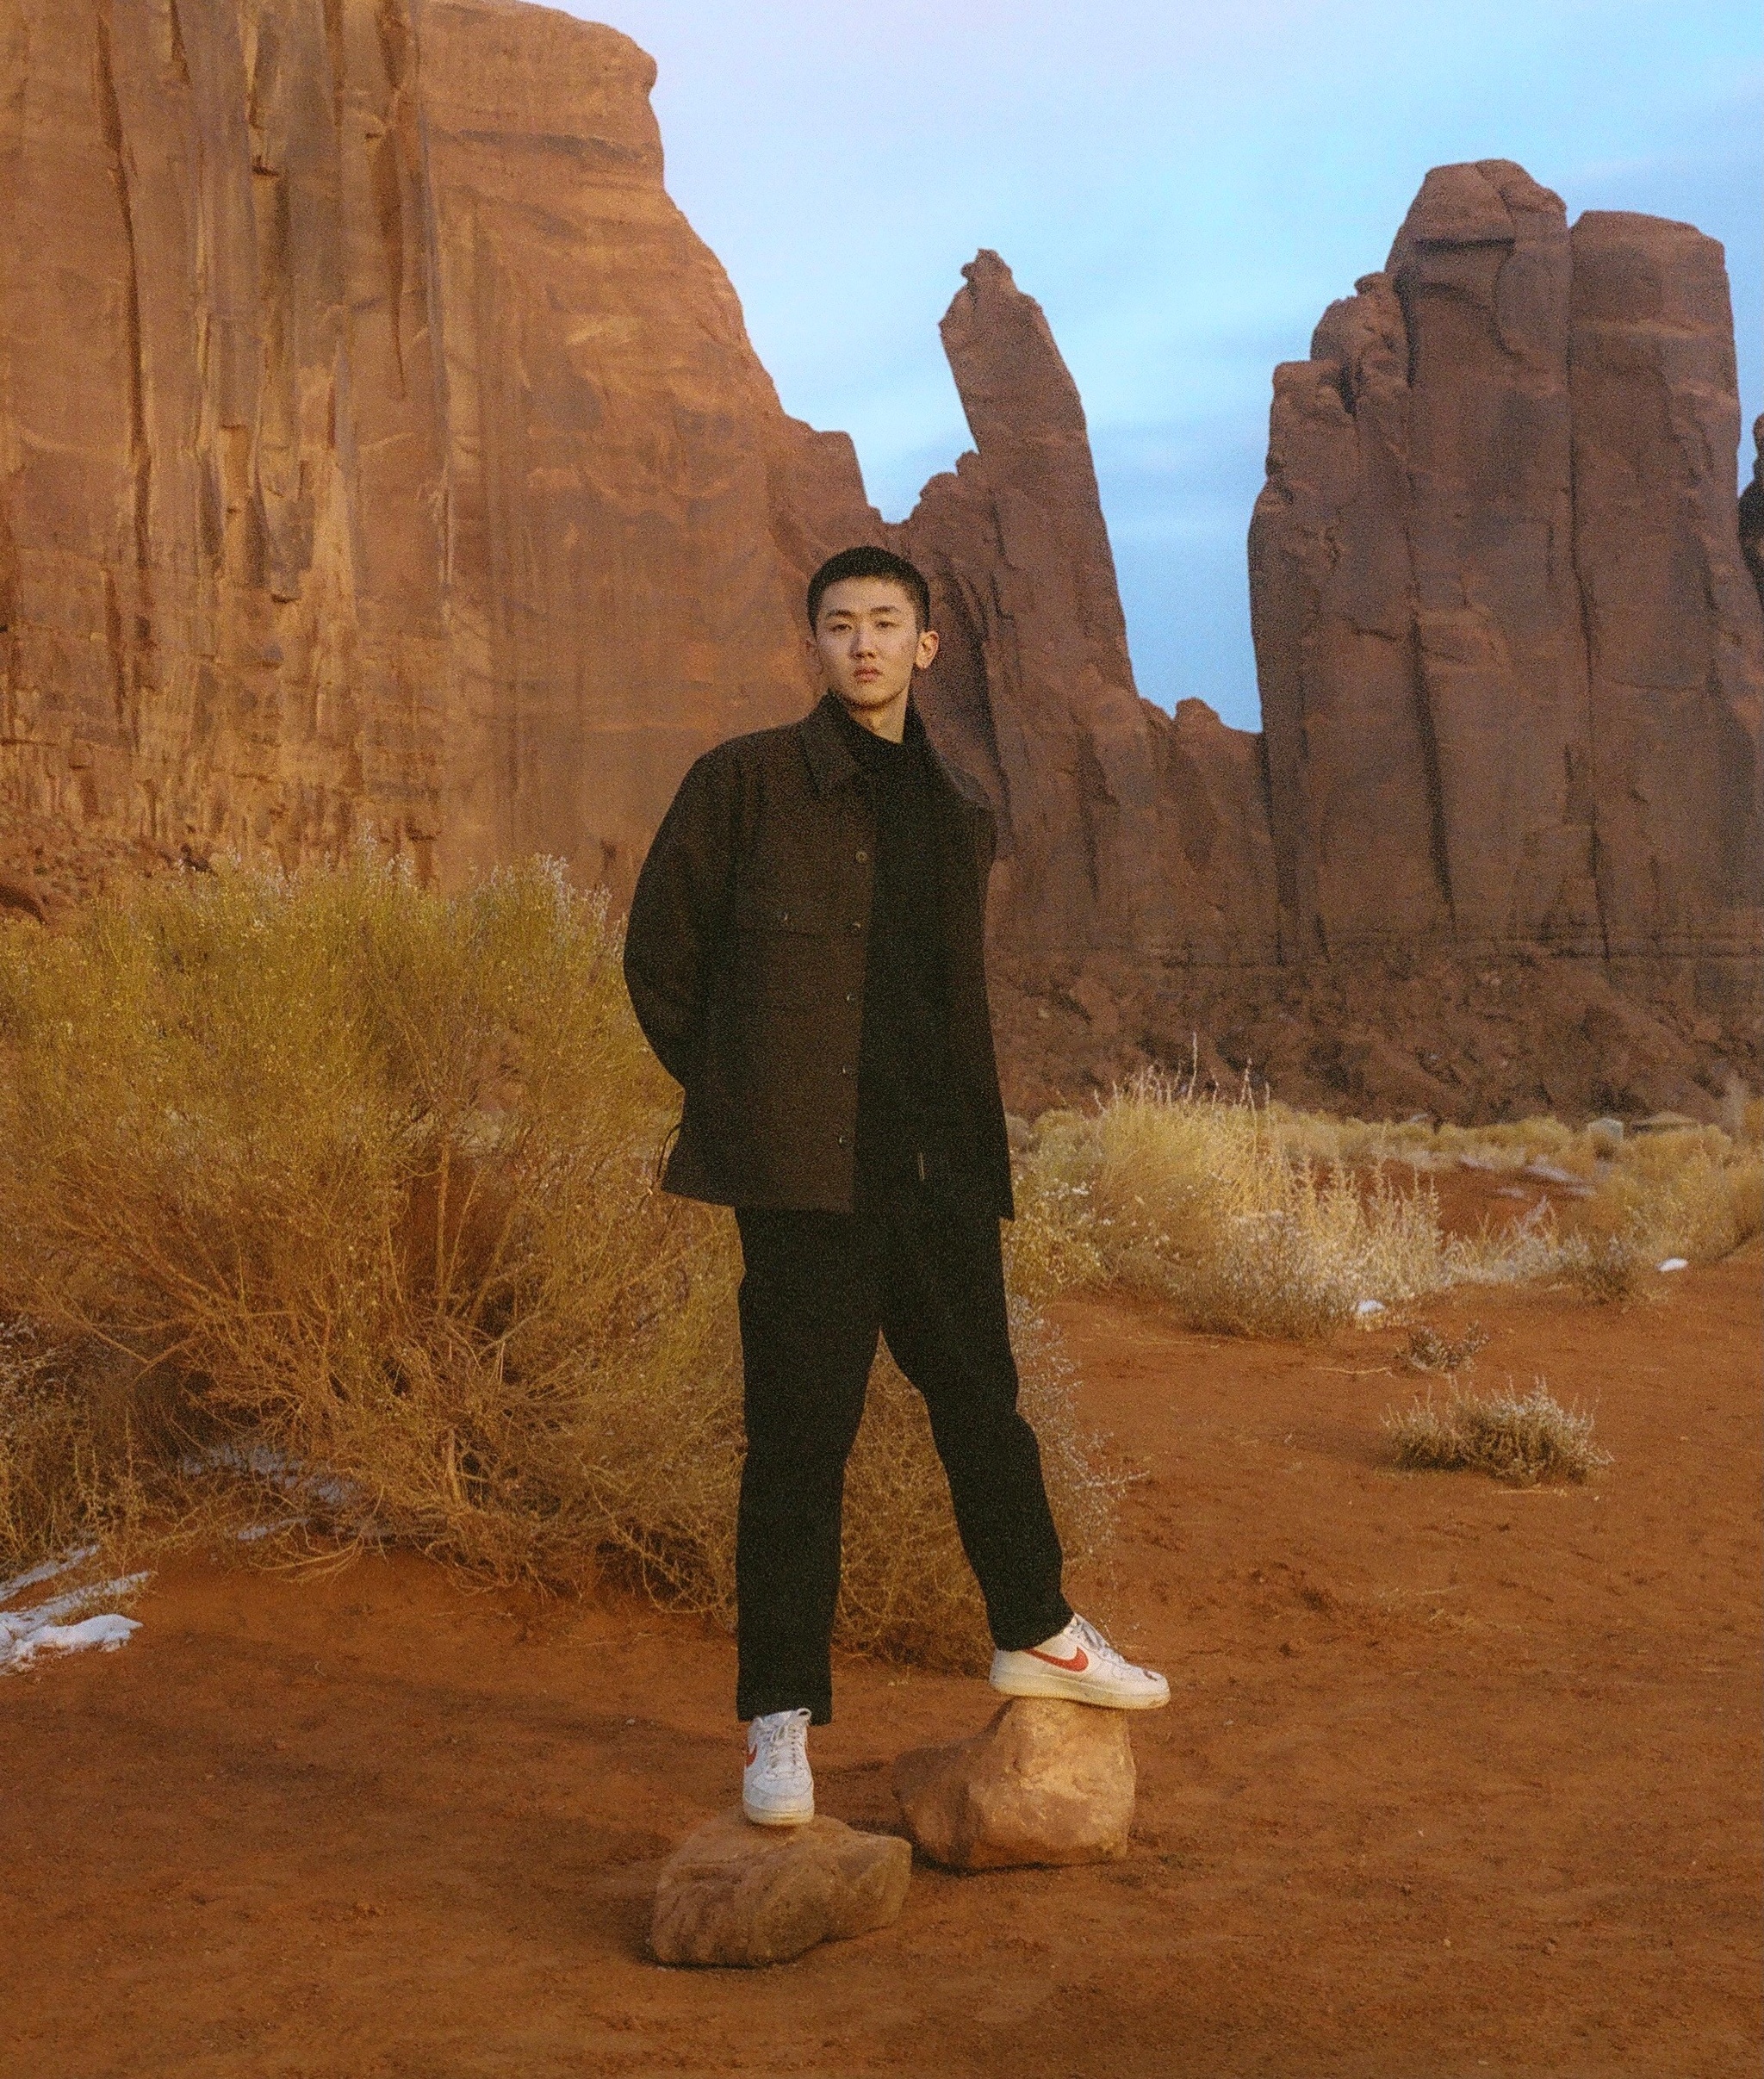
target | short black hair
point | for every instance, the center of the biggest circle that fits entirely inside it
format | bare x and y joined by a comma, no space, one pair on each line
866,563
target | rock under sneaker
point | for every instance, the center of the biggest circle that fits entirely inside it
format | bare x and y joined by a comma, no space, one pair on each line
776,1787
1079,1665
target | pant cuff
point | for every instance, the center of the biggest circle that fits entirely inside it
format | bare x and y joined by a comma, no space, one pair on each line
1044,1623
762,1703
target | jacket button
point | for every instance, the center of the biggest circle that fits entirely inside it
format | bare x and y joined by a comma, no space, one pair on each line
845,1071
857,923
842,1139
863,859
851,995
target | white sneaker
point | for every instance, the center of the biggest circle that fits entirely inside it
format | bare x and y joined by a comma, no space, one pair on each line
1079,1665
776,1787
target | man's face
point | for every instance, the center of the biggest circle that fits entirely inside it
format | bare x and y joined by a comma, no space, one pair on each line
868,643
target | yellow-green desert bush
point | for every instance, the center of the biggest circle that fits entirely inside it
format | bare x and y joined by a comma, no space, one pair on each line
1207,1204
1255,1219
348,1189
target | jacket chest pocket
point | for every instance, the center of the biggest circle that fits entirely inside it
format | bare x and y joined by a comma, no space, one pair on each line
789,941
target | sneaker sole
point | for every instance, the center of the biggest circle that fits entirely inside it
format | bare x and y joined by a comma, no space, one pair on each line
775,1819
1069,1689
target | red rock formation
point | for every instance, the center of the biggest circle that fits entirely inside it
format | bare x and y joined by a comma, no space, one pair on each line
616,600
1126,832
1501,615
223,498
1675,650
381,452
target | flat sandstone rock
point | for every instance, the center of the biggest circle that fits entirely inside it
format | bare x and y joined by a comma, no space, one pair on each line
1044,1782
735,1892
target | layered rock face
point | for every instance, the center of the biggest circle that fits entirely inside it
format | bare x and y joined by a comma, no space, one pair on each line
382,458
1510,664
222,526
1124,832
382,450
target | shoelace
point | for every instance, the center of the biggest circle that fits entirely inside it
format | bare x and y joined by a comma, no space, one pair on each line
1098,1645
785,1746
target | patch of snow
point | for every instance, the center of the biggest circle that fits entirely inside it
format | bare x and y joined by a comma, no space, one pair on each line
106,1632
1370,1306
252,1532
276,1469
45,1571
1549,1173
26,1633
1479,1161
1676,1262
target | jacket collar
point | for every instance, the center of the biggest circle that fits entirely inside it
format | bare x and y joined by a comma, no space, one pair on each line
830,762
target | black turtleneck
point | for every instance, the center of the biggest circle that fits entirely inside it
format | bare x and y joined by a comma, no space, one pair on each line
907,1104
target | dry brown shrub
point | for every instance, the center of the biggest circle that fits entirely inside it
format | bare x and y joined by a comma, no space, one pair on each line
1255,1219
910,1595
1695,1193
69,1468
1519,1437
1429,1350
1209,1204
353,1185
1610,1272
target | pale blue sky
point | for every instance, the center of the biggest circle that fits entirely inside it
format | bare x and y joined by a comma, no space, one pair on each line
1183,186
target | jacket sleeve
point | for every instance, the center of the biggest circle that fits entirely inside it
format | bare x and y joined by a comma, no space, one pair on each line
678,915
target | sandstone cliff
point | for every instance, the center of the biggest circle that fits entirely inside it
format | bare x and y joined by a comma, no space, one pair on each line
382,459
1126,832
1512,668
382,450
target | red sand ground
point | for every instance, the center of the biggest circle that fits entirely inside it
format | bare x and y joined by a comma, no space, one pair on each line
1457,1779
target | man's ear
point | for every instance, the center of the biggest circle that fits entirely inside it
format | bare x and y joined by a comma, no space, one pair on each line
927,649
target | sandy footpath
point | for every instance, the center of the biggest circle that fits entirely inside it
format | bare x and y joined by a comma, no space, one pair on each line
1457,1779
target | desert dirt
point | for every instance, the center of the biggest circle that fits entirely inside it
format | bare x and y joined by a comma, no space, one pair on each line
1457,1779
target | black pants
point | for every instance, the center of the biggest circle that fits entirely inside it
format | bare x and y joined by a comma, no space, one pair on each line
921,1266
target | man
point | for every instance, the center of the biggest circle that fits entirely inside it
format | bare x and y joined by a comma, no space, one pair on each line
806,953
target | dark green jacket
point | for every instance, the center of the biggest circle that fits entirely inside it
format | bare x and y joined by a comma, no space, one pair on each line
745,957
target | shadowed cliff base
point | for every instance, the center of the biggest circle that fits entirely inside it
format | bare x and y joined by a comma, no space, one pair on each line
1503,1036
386,464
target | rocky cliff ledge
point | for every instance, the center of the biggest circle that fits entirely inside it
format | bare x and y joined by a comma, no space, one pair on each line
382,459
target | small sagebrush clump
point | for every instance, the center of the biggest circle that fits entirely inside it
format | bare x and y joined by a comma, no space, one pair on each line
1521,1438
1610,1271
1429,1350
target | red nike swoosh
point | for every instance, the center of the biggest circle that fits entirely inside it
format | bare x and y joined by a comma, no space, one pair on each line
753,1756
1079,1661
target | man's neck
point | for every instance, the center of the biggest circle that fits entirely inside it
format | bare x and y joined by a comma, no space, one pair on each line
887,721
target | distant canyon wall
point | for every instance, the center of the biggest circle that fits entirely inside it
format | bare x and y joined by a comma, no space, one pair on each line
383,459
1510,653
